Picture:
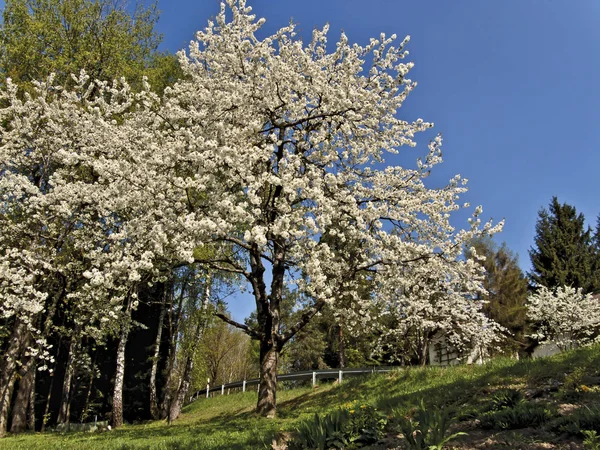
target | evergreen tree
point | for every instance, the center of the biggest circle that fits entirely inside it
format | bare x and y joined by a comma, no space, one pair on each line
563,254
507,290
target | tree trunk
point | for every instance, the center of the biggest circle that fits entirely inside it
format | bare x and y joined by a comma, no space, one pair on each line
88,394
184,385
182,391
154,411
31,410
268,315
117,407
17,342
22,401
45,416
267,391
341,348
64,412
165,405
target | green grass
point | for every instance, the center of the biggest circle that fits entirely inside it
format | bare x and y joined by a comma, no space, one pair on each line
228,422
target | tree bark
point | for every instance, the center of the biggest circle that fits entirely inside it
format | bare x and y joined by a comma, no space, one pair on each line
184,385
31,409
267,391
268,315
341,348
17,343
117,407
165,405
64,412
22,401
154,411
88,394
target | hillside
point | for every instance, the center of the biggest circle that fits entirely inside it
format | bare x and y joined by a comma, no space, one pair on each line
557,397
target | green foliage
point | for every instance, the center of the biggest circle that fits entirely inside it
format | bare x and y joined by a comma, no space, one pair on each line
39,37
507,290
505,398
349,427
428,429
324,432
571,388
591,440
564,253
521,415
584,418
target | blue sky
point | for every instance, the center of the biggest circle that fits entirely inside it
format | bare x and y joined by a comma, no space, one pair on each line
511,84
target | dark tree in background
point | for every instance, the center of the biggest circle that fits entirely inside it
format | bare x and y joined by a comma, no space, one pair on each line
563,253
507,288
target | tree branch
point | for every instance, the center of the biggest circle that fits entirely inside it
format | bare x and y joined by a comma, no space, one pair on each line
304,319
245,328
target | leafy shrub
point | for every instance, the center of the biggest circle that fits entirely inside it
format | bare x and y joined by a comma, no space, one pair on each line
505,398
520,416
571,388
428,430
585,418
323,432
591,440
342,428
366,425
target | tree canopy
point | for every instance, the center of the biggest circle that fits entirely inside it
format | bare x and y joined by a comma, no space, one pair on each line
269,153
39,37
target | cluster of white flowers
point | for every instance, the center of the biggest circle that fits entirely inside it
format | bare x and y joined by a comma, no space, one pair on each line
267,146
565,316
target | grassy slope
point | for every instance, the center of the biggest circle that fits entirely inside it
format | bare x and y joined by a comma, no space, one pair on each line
228,422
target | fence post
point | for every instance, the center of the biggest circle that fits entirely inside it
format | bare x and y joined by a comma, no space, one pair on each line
222,389
244,386
207,390
340,377
314,378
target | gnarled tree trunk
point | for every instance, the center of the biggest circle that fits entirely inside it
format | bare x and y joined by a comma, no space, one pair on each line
20,410
17,343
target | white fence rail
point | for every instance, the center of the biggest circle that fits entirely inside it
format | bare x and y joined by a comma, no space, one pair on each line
313,375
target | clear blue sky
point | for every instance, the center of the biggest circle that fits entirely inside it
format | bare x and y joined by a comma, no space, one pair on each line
511,84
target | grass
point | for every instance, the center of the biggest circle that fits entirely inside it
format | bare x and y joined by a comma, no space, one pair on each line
228,422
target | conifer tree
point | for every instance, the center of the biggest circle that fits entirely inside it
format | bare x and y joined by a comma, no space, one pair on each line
563,252
507,290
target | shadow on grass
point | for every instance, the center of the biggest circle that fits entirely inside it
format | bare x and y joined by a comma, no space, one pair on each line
229,423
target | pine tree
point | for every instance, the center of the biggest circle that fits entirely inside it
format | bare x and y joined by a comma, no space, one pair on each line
563,254
507,290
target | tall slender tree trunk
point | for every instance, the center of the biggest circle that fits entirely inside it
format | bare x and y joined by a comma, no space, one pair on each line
88,394
341,348
45,416
117,408
184,384
17,343
182,391
64,412
154,411
23,399
31,409
167,399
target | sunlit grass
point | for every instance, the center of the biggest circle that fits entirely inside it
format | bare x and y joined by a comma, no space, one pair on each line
228,422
